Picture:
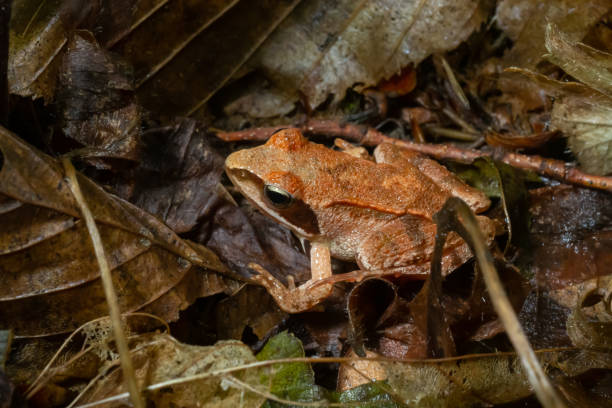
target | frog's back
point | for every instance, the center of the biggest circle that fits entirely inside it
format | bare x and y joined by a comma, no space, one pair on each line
378,186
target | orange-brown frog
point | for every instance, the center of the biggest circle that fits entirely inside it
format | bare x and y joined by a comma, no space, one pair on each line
378,214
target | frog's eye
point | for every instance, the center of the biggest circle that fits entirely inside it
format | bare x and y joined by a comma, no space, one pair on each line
277,196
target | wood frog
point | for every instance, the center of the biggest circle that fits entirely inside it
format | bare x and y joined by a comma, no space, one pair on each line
376,213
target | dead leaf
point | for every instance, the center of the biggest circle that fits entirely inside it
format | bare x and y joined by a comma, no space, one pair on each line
98,105
525,22
252,306
159,358
40,31
47,258
325,47
588,65
474,380
193,64
178,175
570,235
587,121
241,235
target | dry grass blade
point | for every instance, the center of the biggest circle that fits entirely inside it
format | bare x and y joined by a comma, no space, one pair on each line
456,216
109,290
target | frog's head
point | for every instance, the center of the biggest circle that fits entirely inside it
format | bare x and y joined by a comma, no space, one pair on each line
271,177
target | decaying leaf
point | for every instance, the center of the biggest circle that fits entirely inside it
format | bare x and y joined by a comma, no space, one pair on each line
159,358
473,380
571,245
178,175
587,121
196,63
241,235
325,47
588,65
524,21
98,104
47,260
252,306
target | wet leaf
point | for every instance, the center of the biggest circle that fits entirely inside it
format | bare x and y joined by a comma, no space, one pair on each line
326,47
47,259
570,235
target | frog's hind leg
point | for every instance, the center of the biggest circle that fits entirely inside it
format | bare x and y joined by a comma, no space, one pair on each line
405,246
446,180
298,299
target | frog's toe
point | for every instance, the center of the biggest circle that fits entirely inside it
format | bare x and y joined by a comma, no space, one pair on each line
292,300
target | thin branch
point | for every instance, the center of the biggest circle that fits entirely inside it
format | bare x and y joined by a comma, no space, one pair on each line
555,169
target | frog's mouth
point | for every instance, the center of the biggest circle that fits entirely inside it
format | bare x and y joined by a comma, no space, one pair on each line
298,217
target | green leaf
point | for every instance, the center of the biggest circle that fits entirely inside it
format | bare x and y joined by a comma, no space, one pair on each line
290,381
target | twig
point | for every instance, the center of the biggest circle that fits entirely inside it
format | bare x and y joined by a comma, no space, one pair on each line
129,374
452,79
457,216
555,169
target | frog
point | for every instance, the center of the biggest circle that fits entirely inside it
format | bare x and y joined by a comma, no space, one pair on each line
374,211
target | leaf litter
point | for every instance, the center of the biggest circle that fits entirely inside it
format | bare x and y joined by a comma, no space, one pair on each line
117,120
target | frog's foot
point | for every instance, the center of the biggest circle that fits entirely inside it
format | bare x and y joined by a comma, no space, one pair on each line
292,299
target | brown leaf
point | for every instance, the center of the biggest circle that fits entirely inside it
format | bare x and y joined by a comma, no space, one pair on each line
240,236
588,65
325,47
187,70
40,30
160,357
98,106
570,235
178,176
525,22
48,262
252,306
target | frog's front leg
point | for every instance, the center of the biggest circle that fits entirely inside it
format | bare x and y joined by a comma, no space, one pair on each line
304,297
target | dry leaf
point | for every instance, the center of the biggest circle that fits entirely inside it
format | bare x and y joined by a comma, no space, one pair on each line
159,358
49,270
588,65
325,47
475,381
186,70
39,31
588,124
583,115
525,22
